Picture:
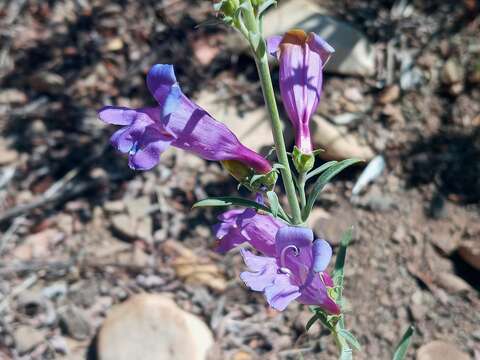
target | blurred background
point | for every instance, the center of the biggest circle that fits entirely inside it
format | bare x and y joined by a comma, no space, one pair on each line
81,233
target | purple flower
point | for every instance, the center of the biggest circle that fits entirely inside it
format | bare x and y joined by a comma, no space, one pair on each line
239,226
301,57
296,271
176,121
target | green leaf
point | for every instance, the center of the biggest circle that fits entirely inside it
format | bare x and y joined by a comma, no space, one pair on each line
312,321
278,166
323,180
229,201
265,5
402,347
340,262
274,204
346,354
350,338
320,169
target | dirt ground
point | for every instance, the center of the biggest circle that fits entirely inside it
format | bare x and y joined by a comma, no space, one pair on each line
81,232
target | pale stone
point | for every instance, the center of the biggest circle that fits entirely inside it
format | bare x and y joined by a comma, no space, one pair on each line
437,349
152,327
452,283
27,338
470,252
336,142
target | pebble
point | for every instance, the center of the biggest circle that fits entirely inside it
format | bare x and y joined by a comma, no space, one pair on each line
389,94
26,338
437,349
452,283
469,251
152,327
74,323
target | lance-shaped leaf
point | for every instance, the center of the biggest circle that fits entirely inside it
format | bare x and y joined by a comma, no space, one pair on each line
402,347
323,180
340,262
229,201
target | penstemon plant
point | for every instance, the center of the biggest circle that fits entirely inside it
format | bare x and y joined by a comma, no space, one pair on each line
289,263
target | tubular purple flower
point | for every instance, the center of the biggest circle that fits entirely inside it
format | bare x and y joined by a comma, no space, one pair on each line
296,271
301,57
176,121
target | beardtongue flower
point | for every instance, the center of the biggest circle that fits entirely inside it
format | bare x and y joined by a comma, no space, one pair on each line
295,272
247,225
301,58
176,121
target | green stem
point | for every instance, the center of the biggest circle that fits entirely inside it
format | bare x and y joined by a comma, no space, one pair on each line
301,189
269,95
343,346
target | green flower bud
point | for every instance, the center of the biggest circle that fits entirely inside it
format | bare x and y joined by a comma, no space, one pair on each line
303,162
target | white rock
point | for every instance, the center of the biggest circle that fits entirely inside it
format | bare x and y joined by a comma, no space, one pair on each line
437,349
354,55
152,327
27,338
336,142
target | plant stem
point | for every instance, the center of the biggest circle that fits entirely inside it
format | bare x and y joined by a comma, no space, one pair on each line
301,189
269,95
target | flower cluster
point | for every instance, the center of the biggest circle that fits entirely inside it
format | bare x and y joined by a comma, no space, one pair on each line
292,264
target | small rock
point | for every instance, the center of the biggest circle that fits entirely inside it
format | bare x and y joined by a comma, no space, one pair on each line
354,55
116,206
346,118
74,323
242,355
48,82
375,200
137,207
152,327
27,338
353,94
389,94
437,349
452,72
336,142
452,283
9,155
115,44
400,234
469,251
13,96
124,225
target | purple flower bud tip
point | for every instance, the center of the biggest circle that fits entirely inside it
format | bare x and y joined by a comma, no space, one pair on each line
302,57
146,133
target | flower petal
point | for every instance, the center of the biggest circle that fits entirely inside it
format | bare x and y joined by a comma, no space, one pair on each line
263,271
148,156
281,292
319,45
273,44
162,83
117,115
322,253
293,235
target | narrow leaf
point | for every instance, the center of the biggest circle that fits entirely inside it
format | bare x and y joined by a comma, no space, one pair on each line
229,201
350,338
312,321
402,347
340,261
320,169
265,5
323,180
346,354
274,204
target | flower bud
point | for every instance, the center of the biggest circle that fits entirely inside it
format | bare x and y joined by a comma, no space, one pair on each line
303,162
238,170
